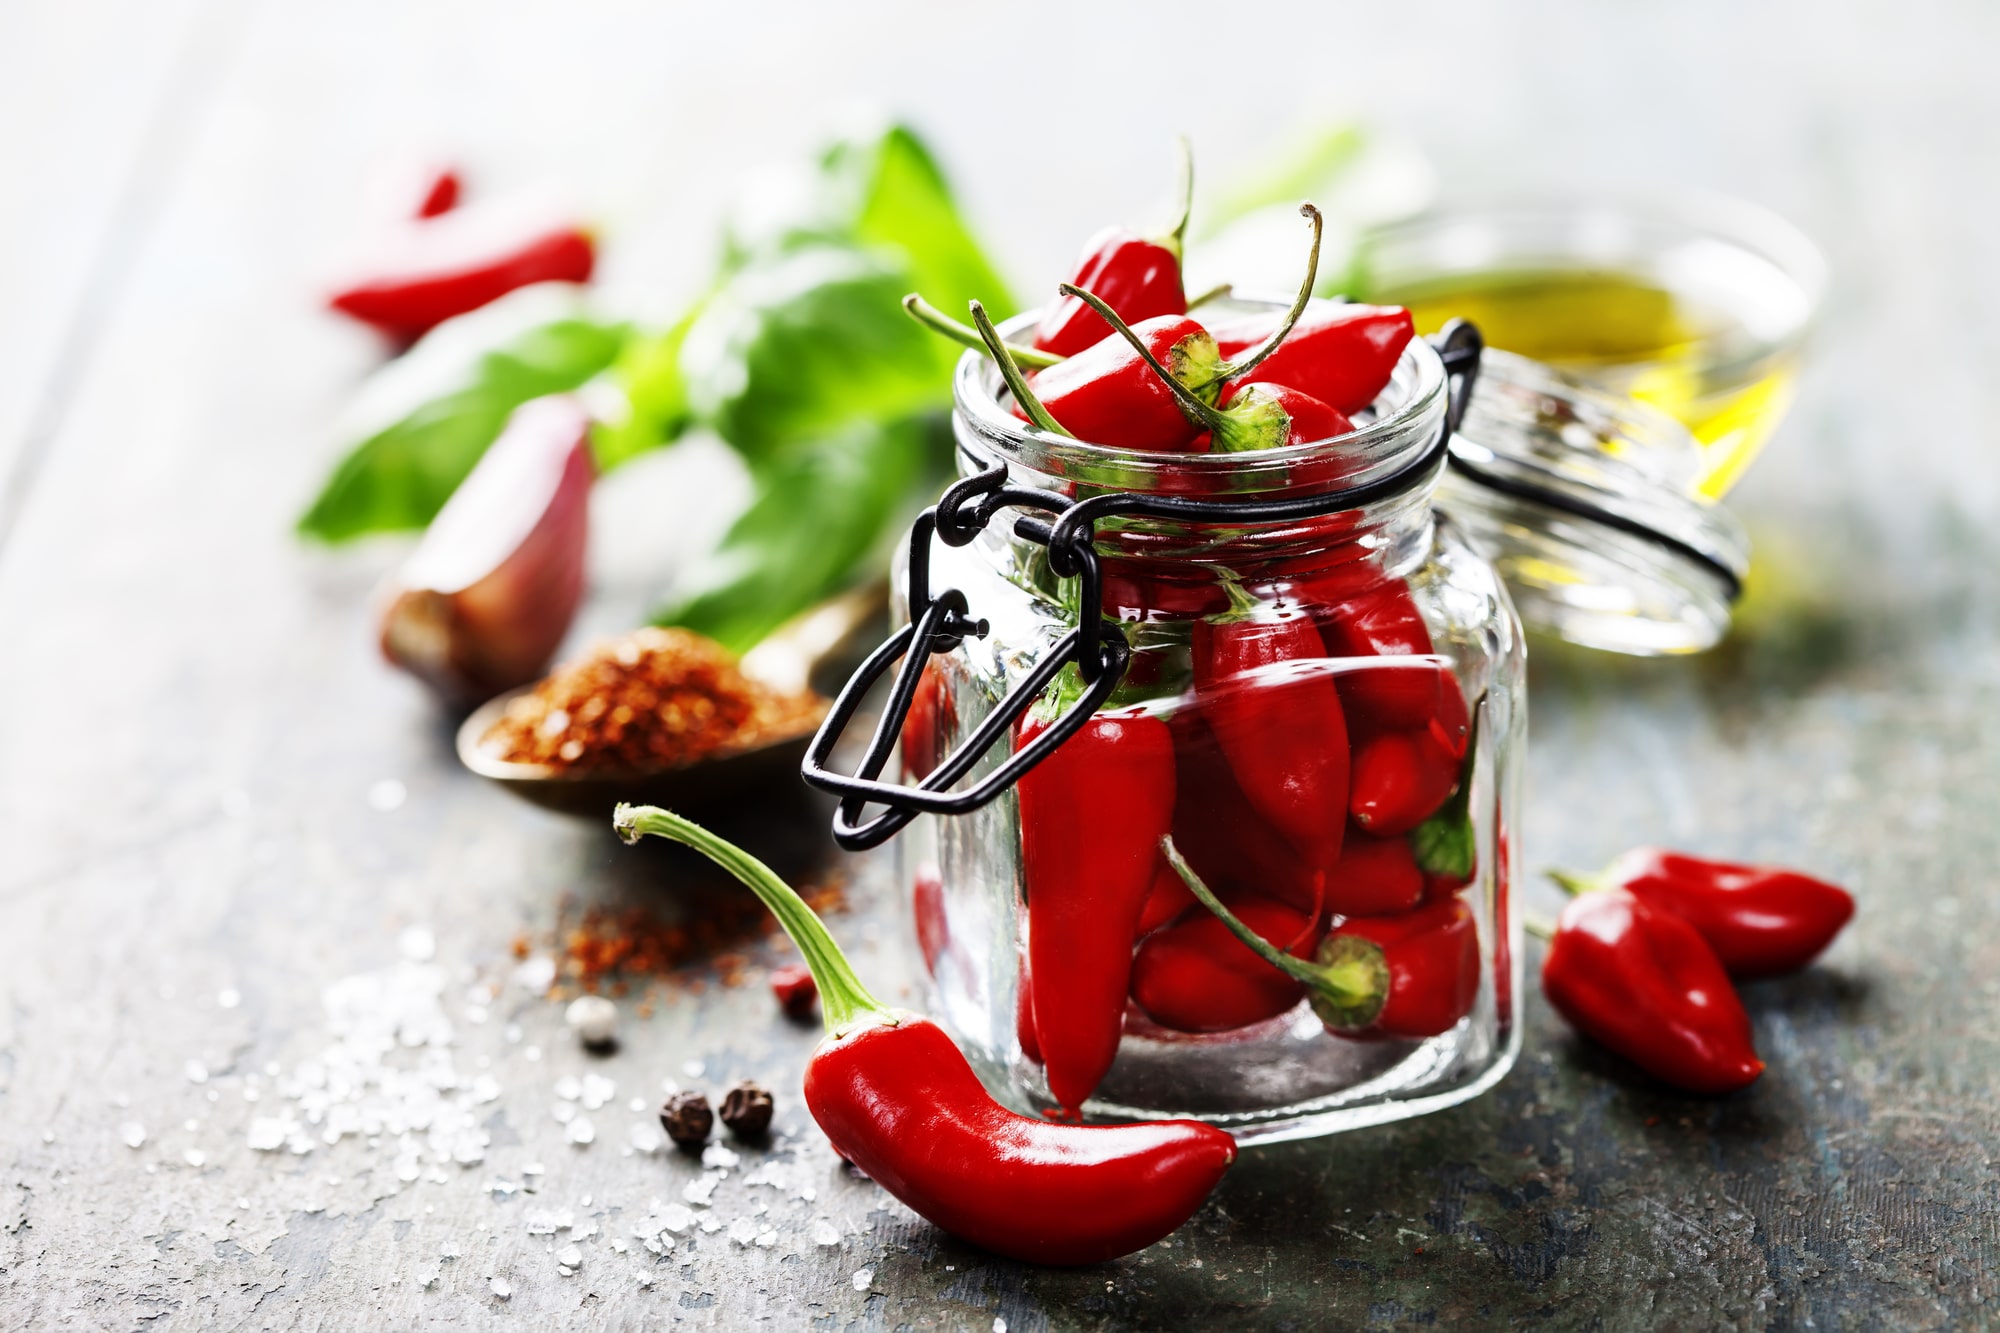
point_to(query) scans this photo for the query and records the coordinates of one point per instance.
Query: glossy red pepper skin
(1092, 816)
(1309, 420)
(1285, 738)
(1646, 985)
(1400, 779)
(1762, 921)
(902, 1104)
(1166, 900)
(1138, 278)
(1222, 834)
(1342, 355)
(1024, 1014)
(1383, 621)
(1432, 957)
(459, 262)
(1194, 976)
(1374, 877)
(1107, 394)
(795, 991)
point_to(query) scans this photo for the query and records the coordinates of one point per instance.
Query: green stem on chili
(1010, 371)
(842, 997)
(1215, 293)
(938, 322)
(1354, 981)
(1251, 361)
(1445, 843)
(1176, 240)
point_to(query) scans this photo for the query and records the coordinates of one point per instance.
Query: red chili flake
(796, 990)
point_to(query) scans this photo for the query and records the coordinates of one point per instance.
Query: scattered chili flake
(655, 698)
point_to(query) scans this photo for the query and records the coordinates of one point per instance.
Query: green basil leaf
(816, 525)
(423, 422)
(804, 345)
(648, 374)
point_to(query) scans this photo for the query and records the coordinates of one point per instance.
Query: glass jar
(1325, 713)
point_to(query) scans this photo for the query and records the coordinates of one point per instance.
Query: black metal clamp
(1098, 647)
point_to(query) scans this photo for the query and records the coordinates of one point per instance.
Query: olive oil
(1696, 360)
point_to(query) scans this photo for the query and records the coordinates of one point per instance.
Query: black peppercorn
(687, 1119)
(746, 1109)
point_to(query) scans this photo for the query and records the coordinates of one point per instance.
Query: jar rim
(989, 432)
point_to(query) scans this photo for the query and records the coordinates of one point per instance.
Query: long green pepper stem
(1347, 982)
(842, 997)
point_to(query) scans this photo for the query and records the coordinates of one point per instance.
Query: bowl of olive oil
(1697, 306)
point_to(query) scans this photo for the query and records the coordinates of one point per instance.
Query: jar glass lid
(1585, 503)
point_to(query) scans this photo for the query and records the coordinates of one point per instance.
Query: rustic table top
(241, 872)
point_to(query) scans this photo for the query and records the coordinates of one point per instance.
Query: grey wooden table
(236, 864)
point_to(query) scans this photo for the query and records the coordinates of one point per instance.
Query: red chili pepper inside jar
(1324, 713)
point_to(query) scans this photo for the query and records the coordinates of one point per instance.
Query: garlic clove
(484, 602)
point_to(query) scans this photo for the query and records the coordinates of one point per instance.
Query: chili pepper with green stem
(1282, 732)
(1223, 834)
(898, 1099)
(1761, 921)
(1409, 976)
(1138, 276)
(1645, 984)
(1092, 815)
(1192, 976)
(1108, 394)
(1341, 354)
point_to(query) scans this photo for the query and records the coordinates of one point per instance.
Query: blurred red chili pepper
(795, 991)
(1761, 921)
(1399, 780)
(1024, 1010)
(1284, 735)
(927, 910)
(1092, 816)
(1223, 835)
(1194, 976)
(1645, 984)
(1341, 354)
(930, 705)
(457, 262)
(1374, 877)
(1131, 587)
(898, 1099)
(1414, 975)
(439, 194)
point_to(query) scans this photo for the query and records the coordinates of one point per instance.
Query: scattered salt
(581, 1132)
(568, 1088)
(132, 1134)
(196, 1071)
(694, 1069)
(229, 997)
(825, 1233)
(501, 1289)
(597, 1091)
(646, 1138)
(718, 1155)
(536, 974)
(195, 1157)
(386, 795)
(862, 1277)
(417, 943)
(702, 1191)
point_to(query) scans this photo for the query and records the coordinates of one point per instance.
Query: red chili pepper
(927, 910)
(1108, 394)
(1130, 589)
(930, 704)
(1341, 354)
(1166, 900)
(458, 262)
(795, 990)
(1024, 1010)
(1092, 816)
(1374, 877)
(1139, 278)
(440, 193)
(1646, 984)
(1400, 779)
(1761, 921)
(1414, 975)
(1193, 976)
(898, 1100)
(1307, 419)
(1283, 734)
(1223, 835)
(1383, 621)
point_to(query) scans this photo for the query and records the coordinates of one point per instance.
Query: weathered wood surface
(193, 721)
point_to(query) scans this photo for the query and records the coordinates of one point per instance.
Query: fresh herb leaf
(806, 345)
(426, 419)
(816, 523)
(648, 374)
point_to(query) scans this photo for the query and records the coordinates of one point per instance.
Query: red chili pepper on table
(897, 1098)
(1284, 735)
(1194, 976)
(1341, 354)
(1645, 984)
(1092, 816)
(1410, 976)
(795, 990)
(458, 262)
(1761, 921)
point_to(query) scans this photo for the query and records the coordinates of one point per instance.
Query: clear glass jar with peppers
(1318, 731)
